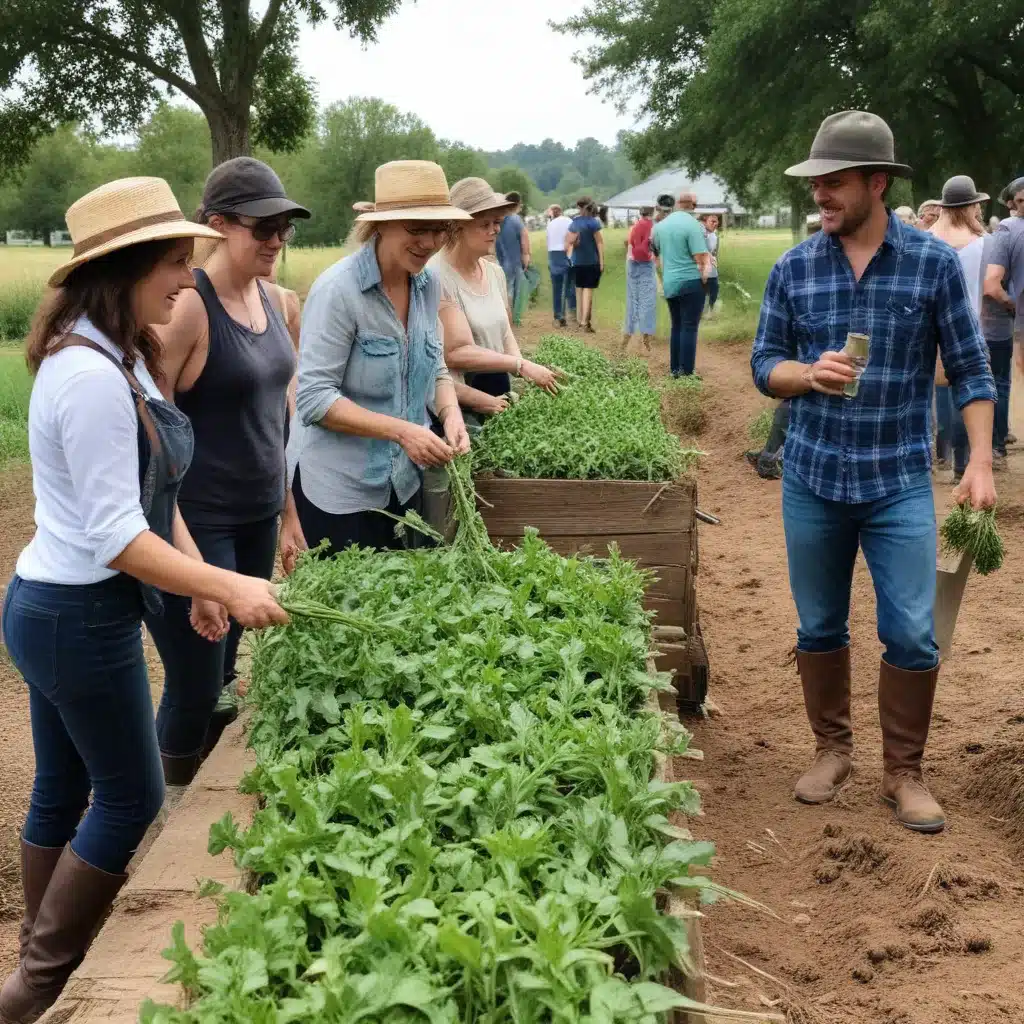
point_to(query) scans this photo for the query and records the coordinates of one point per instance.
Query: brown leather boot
(826, 682)
(37, 866)
(905, 710)
(69, 914)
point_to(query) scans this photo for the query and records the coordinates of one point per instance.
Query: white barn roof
(712, 195)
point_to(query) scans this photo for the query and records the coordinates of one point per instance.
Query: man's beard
(854, 217)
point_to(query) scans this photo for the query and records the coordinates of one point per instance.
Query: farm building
(712, 194)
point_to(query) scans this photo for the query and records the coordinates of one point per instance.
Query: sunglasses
(264, 230)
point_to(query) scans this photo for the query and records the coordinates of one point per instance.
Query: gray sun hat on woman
(849, 139)
(960, 191)
(475, 196)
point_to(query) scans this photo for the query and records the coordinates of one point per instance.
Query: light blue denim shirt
(354, 346)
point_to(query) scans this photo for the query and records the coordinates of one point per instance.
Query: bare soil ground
(875, 925)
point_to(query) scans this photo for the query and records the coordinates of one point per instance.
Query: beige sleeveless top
(486, 311)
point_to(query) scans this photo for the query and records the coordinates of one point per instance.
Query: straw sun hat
(474, 196)
(411, 190)
(123, 213)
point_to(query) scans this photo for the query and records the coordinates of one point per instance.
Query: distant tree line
(331, 169)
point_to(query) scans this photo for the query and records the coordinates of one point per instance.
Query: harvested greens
(605, 424)
(974, 532)
(459, 821)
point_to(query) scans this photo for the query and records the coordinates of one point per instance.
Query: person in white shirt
(108, 455)
(563, 287)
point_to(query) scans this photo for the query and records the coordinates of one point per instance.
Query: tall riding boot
(37, 867)
(826, 681)
(905, 710)
(69, 914)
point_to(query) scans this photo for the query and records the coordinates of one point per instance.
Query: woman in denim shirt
(370, 365)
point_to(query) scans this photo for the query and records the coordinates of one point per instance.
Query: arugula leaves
(458, 818)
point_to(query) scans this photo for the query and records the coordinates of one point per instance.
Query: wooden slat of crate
(597, 507)
(646, 549)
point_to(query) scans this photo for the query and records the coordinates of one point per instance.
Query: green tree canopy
(107, 62)
(513, 179)
(738, 87)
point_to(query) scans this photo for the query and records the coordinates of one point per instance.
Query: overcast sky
(477, 71)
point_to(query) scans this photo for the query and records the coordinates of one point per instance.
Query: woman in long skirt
(641, 282)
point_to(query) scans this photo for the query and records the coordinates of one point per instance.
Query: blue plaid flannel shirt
(911, 300)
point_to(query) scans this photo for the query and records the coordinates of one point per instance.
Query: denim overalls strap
(165, 451)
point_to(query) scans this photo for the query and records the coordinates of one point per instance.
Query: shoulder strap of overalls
(145, 416)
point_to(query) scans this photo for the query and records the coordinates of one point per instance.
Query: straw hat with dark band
(412, 190)
(124, 213)
(474, 196)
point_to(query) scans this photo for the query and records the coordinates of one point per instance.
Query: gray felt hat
(960, 191)
(851, 138)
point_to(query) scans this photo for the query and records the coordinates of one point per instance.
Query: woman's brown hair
(968, 217)
(102, 291)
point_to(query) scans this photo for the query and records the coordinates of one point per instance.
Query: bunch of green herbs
(604, 424)
(459, 818)
(974, 532)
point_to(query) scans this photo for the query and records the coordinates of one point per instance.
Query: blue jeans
(712, 291)
(685, 308)
(897, 536)
(563, 285)
(196, 670)
(514, 281)
(79, 649)
(1001, 356)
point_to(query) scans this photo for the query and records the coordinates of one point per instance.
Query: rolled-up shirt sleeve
(99, 431)
(963, 349)
(328, 331)
(774, 341)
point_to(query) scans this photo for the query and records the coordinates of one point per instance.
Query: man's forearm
(789, 379)
(978, 421)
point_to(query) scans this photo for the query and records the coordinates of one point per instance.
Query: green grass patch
(18, 302)
(15, 388)
(761, 427)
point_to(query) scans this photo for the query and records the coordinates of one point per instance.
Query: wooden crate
(653, 524)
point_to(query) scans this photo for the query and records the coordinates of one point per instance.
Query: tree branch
(267, 25)
(111, 44)
(1015, 83)
(189, 19)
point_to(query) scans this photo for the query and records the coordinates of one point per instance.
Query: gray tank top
(238, 409)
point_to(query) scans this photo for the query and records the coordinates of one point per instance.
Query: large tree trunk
(229, 133)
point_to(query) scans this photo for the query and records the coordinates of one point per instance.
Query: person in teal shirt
(684, 262)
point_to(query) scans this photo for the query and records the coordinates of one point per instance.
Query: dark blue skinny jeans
(563, 285)
(79, 649)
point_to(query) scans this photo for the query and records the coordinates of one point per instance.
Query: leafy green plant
(974, 532)
(458, 820)
(604, 424)
(760, 427)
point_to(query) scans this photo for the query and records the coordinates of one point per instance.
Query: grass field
(745, 259)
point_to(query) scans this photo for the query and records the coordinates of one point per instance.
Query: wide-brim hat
(122, 213)
(412, 190)
(1015, 186)
(475, 196)
(960, 191)
(849, 139)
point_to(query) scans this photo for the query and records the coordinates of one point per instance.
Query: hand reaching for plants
(455, 431)
(424, 447)
(490, 405)
(209, 619)
(292, 542)
(544, 378)
(253, 603)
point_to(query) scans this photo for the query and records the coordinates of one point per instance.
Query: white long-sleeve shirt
(83, 440)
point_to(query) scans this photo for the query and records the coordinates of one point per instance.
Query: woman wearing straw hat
(228, 359)
(959, 225)
(370, 365)
(478, 341)
(108, 455)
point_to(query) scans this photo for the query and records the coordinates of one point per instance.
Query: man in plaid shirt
(857, 469)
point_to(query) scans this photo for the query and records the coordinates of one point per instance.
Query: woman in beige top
(479, 347)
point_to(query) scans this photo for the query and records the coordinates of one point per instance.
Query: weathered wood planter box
(653, 524)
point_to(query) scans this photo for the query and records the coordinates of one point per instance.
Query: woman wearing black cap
(228, 360)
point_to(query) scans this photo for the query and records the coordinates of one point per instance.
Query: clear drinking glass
(857, 349)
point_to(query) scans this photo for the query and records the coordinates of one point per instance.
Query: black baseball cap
(248, 187)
